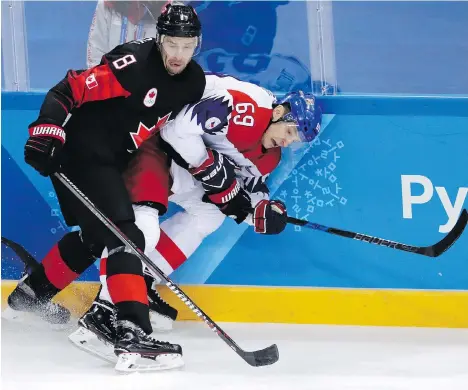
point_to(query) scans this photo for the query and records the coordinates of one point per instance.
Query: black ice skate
(96, 331)
(23, 302)
(162, 315)
(137, 351)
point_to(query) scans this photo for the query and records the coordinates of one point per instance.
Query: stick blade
(29, 261)
(263, 357)
(444, 244)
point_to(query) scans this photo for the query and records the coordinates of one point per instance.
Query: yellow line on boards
(426, 308)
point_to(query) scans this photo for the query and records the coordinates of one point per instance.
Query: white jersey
(231, 118)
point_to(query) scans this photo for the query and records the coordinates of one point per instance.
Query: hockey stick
(258, 358)
(29, 261)
(431, 251)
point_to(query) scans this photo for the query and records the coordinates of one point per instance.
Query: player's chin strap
(431, 251)
(258, 358)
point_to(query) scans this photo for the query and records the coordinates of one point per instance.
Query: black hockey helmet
(179, 20)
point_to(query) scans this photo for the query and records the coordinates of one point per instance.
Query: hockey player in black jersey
(89, 126)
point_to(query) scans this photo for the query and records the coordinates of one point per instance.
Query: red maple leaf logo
(162, 121)
(143, 132)
(152, 95)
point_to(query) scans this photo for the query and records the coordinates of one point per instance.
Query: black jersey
(109, 110)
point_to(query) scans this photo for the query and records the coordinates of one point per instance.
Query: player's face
(280, 134)
(177, 52)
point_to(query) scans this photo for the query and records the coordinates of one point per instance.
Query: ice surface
(311, 357)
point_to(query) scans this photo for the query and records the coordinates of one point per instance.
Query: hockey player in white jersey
(224, 148)
(221, 151)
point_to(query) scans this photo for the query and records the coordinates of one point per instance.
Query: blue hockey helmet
(304, 113)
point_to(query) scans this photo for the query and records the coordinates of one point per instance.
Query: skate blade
(134, 362)
(160, 323)
(30, 319)
(87, 341)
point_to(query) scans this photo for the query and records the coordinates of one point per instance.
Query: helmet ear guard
(304, 113)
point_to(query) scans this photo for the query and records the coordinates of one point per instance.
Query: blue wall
(350, 178)
(377, 151)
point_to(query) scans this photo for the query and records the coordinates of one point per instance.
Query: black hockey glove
(218, 177)
(43, 147)
(234, 202)
(270, 217)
